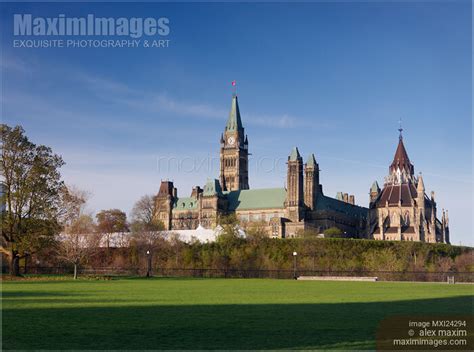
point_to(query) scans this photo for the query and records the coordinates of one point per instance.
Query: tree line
(39, 212)
(43, 218)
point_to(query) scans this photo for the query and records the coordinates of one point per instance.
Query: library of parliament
(401, 210)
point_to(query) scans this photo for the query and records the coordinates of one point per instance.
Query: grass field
(213, 313)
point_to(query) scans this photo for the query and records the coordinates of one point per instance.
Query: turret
(164, 203)
(234, 152)
(311, 186)
(211, 201)
(374, 192)
(420, 190)
(295, 196)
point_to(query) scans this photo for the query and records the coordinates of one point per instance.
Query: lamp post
(294, 264)
(148, 269)
(26, 262)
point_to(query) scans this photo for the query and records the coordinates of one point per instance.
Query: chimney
(196, 192)
(346, 198)
(352, 199)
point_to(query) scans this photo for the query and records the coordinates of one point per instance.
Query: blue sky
(331, 78)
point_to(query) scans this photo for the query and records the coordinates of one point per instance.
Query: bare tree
(143, 215)
(79, 242)
(73, 202)
(78, 239)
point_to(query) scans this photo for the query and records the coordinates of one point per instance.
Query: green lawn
(213, 313)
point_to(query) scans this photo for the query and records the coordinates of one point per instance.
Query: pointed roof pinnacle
(295, 154)
(311, 160)
(375, 187)
(401, 160)
(421, 185)
(234, 122)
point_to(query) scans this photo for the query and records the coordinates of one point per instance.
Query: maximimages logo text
(90, 32)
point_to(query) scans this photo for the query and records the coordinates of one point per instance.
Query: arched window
(394, 219)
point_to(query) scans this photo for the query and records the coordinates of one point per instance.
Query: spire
(295, 154)
(421, 185)
(212, 187)
(401, 160)
(375, 187)
(234, 123)
(311, 161)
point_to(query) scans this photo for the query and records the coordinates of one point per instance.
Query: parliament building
(302, 204)
(402, 211)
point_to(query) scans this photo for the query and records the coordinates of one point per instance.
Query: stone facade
(284, 212)
(234, 156)
(402, 211)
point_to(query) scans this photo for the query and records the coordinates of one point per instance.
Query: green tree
(333, 232)
(256, 231)
(110, 221)
(230, 229)
(31, 199)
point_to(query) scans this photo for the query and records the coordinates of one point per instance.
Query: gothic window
(407, 218)
(394, 219)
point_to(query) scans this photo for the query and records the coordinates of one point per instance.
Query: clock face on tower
(231, 140)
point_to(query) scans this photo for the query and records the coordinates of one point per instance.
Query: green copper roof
(187, 203)
(375, 187)
(234, 123)
(311, 160)
(212, 188)
(267, 198)
(295, 154)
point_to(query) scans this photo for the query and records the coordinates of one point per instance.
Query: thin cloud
(163, 102)
(15, 64)
(103, 86)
